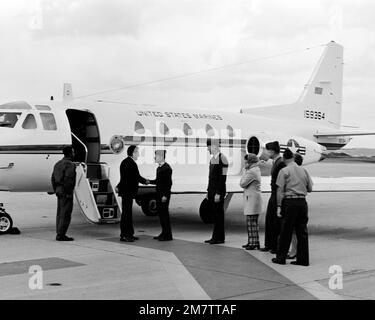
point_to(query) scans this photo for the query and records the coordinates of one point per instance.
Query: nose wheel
(6, 222)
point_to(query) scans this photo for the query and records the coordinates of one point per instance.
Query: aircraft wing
(344, 134)
(321, 184)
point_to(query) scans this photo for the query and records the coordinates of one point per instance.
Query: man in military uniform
(216, 190)
(63, 182)
(294, 183)
(272, 221)
(163, 184)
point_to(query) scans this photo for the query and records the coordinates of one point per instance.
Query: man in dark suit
(216, 190)
(163, 183)
(128, 189)
(272, 221)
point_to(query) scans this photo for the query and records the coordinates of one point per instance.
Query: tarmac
(98, 266)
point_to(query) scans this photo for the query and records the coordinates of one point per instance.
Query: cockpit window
(48, 121)
(42, 107)
(8, 119)
(29, 122)
(16, 105)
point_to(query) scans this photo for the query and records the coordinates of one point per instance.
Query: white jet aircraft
(33, 134)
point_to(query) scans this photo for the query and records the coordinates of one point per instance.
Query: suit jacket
(277, 166)
(163, 181)
(129, 178)
(217, 176)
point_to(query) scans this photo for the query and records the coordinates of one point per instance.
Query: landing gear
(6, 222)
(205, 212)
(148, 205)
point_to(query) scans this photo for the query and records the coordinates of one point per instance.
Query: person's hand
(116, 190)
(217, 197)
(147, 182)
(278, 212)
(164, 199)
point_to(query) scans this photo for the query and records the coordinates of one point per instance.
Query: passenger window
(48, 121)
(188, 131)
(230, 131)
(8, 119)
(139, 128)
(163, 128)
(29, 122)
(209, 130)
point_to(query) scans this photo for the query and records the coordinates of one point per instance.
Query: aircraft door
(85, 136)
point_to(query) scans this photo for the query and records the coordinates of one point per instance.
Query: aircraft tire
(205, 213)
(148, 205)
(6, 222)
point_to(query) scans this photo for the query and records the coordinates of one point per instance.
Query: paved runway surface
(98, 266)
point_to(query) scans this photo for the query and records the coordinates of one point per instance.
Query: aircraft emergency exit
(33, 134)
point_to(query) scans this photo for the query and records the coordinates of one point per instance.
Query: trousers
(272, 224)
(163, 212)
(64, 213)
(217, 212)
(295, 217)
(126, 223)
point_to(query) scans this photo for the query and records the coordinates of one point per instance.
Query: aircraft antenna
(191, 74)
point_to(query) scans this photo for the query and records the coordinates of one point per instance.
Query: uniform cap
(273, 146)
(288, 154)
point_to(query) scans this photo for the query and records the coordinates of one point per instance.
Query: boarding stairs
(95, 194)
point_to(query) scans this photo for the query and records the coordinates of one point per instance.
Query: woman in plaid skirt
(252, 199)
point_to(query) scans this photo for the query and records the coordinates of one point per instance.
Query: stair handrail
(84, 146)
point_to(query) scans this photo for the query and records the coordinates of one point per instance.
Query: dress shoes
(135, 238)
(165, 238)
(208, 241)
(296, 263)
(157, 237)
(216, 241)
(252, 247)
(64, 238)
(126, 239)
(278, 261)
(265, 249)
(245, 245)
(273, 251)
(289, 257)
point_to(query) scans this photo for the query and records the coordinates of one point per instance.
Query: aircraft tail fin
(321, 98)
(323, 93)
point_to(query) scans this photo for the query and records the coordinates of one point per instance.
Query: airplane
(33, 134)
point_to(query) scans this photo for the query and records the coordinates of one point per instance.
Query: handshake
(147, 182)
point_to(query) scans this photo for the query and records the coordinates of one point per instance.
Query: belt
(295, 197)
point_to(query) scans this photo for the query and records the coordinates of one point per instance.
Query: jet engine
(309, 150)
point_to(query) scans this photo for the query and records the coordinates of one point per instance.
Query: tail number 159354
(317, 115)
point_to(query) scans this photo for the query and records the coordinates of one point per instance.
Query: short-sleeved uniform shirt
(294, 180)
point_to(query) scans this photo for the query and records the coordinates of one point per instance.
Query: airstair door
(95, 195)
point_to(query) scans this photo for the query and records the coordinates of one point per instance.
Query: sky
(104, 44)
